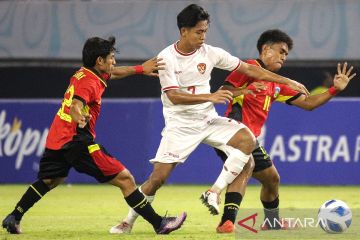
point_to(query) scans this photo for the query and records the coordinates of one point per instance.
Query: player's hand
(259, 86)
(221, 96)
(152, 65)
(343, 76)
(298, 87)
(252, 89)
(83, 120)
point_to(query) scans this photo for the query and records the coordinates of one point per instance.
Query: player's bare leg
(138, 202)
(242, 143)
(233, 197)
(125, 181)
(270, 180)
(269, 196)
(157, 178)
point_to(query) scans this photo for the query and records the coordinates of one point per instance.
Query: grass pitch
(88, 211)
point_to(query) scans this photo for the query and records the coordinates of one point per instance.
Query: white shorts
(178, 143)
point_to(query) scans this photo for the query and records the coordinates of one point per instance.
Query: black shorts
(89, 158)
(261, 157)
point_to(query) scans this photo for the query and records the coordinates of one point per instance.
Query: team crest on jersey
(277, 91)
(201, 68)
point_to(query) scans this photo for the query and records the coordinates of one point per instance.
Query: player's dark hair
(191, 15)
(274, 36)
(96, 47)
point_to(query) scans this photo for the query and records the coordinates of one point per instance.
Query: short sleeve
(167, 76)
(86, 90)
(237, 79)
(223, 59)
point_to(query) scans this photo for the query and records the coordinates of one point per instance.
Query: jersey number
(66, 103)
(267, 103)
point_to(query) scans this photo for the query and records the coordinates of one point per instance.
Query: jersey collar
(96, 74)
(182, 53)
(260, 63)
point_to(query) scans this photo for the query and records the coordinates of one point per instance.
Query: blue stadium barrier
(322, 29)
(318, 147)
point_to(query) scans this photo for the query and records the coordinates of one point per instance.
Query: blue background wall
(319, 147)
(322, 29)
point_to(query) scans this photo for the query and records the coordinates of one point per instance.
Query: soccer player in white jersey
(188, 108)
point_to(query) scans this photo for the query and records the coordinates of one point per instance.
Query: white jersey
(191, 73)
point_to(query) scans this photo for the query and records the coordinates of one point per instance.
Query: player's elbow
(311, 108)
(308, 107)
(173, 97)
(175, 101)
(74, 112)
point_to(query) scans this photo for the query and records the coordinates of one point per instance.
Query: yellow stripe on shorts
(93, 148)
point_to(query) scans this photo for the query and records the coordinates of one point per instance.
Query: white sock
(233, 166)
(132, 215)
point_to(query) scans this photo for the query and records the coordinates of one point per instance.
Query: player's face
(107, 64)
(196, 36)
(274, 55)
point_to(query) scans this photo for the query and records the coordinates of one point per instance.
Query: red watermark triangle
(242, 221)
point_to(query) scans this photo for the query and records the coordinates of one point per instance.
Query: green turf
(88, 211)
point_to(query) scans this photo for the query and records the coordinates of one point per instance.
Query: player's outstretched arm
(263, 74)
(220, 96)
(341, 80)
(246, 90)
(148, 68)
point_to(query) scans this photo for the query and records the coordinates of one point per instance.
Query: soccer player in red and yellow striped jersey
(71, 139)
(251, 104)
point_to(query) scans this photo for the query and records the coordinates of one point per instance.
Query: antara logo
(251, 217)
(201, 68)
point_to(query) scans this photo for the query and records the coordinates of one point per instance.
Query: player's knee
(124, 180)
(128, 177)
(272, 180)
(275, 179)
(244, 140)
(249, 167)
(249, 142)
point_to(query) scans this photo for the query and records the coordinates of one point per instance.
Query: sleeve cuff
(169, 88)
(80, 99)
(293, 98)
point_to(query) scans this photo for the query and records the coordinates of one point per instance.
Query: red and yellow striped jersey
(253, 110)
(87, 86)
